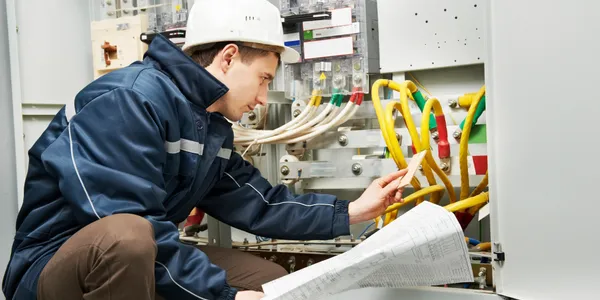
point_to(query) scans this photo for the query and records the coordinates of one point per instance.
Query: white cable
(248, 148)
(330, 121)
(350, 115)
(249, 134)
(332, 115)
(243, 135)
(326, 122)
(315, 131)
(295, 131)
(302, 128)
(306, 126)
(304, 115)
(350, 107)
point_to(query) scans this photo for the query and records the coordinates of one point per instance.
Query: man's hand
(382, 193)
(249, 295)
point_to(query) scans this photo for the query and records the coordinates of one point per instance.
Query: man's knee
(134, 237)
(122, 244)
(277, 271)
(272, 271)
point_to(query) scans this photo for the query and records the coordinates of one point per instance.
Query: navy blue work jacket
(139, 140)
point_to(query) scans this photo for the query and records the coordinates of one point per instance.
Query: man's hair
(205, 54)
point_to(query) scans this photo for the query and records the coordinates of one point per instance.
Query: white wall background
(8, 182)
(51, 52)
(54, 49)
(55, 62)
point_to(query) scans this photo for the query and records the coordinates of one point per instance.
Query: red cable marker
(443, 145)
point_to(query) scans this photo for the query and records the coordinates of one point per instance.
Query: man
(118, 169)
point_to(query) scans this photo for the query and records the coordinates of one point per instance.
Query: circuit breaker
(117, 28)
(116, 43)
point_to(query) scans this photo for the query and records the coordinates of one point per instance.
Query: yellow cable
(388, 132)
(412, 197)
(412, 88)
(487, 246)
(376, 220)
(437, 108)
(389, 128)
(464, 146)
(389, 112)
(386, 123)
(465, 100)
(316, 94)
(468, 202)
(428, 93)
(418, 83)
(453, 207)
(406, 90)
(399, 160)
(318, 100)
(387, 219)
(482, 185)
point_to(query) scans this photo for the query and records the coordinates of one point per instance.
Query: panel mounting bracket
(500, 255)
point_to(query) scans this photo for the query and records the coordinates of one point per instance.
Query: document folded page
(424, 246)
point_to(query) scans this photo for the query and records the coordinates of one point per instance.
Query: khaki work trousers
(113, 258)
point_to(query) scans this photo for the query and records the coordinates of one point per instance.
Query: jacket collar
(196, 84)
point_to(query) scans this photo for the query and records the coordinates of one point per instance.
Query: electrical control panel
(338, 43)
(355, 117)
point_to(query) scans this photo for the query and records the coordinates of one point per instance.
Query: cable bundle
(465, 207)
(308, 125)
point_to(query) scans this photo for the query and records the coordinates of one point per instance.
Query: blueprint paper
(425, 246)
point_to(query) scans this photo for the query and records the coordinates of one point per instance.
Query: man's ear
(227, 56)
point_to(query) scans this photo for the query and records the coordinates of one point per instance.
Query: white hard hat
(252, 21)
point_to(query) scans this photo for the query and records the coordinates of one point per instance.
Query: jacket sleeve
(244, 199)
(109, 160)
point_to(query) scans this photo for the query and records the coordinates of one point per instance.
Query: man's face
(247, 82)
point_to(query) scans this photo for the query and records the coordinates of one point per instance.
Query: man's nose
(261, 98)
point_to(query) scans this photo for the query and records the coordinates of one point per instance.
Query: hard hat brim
(289, 55)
